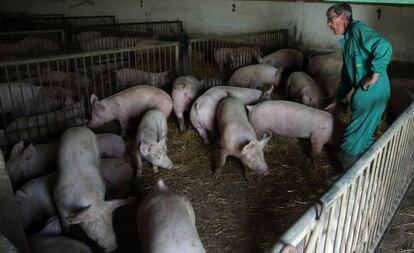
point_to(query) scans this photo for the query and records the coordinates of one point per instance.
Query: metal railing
(203, 58)
(41, 97)
(353, 215)
(25, 44)
(56, 22)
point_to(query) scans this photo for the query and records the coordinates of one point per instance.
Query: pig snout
(92, 123)
(264, 171)
(166, 163)
(170, 166)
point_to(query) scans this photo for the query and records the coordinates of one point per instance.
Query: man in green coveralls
(366, 55)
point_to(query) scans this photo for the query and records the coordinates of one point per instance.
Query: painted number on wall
(141, 3)
(234, 7)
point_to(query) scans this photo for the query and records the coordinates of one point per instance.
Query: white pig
(328, 82)
(166, 223)
(327, 63)
(238, 138)
(80, 191)
(110, 145)
(128, 103)
(185, 90)
(151, 141)
(301, 88)
(128, 77)
(203, 110)
(117, 176)
(255, 76)
(32, 161)
(54, 244)
(290, 119)
(35, 203)
(288, 59)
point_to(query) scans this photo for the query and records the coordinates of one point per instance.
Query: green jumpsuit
(364, 51)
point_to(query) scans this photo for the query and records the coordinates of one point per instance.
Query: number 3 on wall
(141, 3)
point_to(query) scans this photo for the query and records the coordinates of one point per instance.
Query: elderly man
(366, 55)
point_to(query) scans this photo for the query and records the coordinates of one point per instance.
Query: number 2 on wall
(141, 3)
(234, 7)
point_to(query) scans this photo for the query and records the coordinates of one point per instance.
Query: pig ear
(94, 99)
(289, 249)
(17, 149)
(266, 138)
(52, 227)
(163, 141)
(306, 99)
(114, 204)
(29, 152)
(249, 108)
(279, 71)
(83, 215)
(144, 148)
(249, 147)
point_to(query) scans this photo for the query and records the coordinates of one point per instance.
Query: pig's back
(155, 123)
(247, 95)
(167, 222)
(232, 120)
(138, 99)
(288, 119)
(35, 200)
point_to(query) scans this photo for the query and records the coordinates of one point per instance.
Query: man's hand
(369, 80)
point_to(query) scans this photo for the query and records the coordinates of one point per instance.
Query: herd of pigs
(92, 179)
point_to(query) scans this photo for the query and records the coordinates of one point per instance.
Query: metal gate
(353, 215)
(42, 97)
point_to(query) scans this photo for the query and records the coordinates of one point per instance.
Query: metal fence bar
(54, 22)
(367, 195)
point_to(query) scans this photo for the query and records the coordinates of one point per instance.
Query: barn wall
(305, 21)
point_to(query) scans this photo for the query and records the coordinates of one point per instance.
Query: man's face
(337, 23)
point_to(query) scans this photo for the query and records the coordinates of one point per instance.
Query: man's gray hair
(341, 8)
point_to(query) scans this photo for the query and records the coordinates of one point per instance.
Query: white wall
(305, 21)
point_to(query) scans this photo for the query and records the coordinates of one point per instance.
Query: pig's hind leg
(220, 163)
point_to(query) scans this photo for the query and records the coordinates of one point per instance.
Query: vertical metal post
(183, 63)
